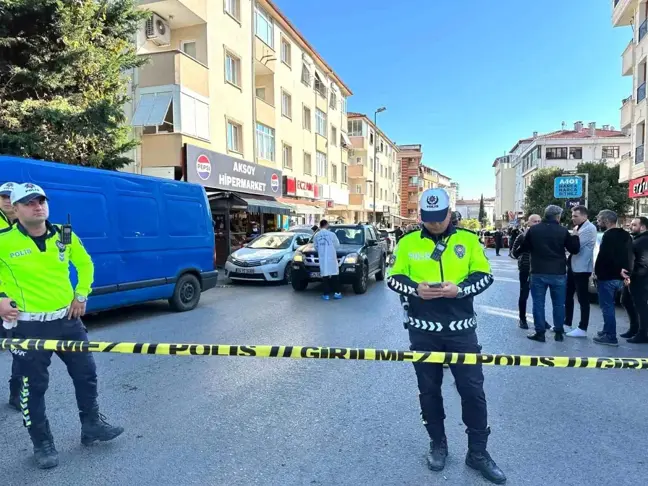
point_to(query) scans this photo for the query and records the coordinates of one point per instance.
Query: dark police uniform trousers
(469, 380)
(34, 368)
(15, 380)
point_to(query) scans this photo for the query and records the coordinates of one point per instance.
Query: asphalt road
(248, 421)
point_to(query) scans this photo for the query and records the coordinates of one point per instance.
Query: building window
(261, 93)
(189, 48)
(286, 54)
(308, 169)
(320, 122)
(413, 181)
(232, 69)
(356, 128)
(265, 142)
(305, 77)
(194, 115)
(371, 164)
(287, 156)
(575, 152)
(154, 113)
(344, 104)
(333, 173)
(320, 87)
(333, 136)
(345, 174)
(234, 131)
(263, 27)
(611, 152)
(371, 138)
(358, 189)
(556, 153)
(233, 8)
(333, 103)
(322, 166)
(370, 189)
(306, 119)
(286, 105)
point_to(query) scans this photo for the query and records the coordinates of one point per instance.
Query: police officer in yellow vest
(440, 269)
(7, 219)
(36, 296)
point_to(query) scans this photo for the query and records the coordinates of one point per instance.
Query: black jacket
(615, 254)
(640, 250)
(547, 243)
(523, 258)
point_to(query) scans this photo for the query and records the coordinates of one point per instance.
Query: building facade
(504, 189)
(373, 173)
(633, 167)
(469, 209)
(237, 81)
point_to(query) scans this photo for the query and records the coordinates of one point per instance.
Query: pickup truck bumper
(349, 273)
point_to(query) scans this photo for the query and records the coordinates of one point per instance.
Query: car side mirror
(372, 243)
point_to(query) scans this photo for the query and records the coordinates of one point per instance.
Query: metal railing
(641, 92)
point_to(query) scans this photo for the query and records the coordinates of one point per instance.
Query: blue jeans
(557, 285)
(607, 290)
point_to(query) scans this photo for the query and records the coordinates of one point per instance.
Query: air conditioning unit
(158, 30)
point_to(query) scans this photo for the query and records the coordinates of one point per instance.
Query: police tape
(319, 352)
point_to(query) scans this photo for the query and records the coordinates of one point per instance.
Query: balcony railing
(639, 154)
(641, 92)
(643, 29)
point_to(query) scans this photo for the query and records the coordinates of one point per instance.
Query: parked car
(390, 239)
(149, 238)
(266, 258)
(302, 229)
(361, 255)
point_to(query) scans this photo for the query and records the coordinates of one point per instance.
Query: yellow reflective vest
(37, 277)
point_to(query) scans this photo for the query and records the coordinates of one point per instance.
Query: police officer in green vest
(37, 297)
(440, 269)
(7, 219)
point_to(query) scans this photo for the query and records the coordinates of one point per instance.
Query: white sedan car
(266, 258)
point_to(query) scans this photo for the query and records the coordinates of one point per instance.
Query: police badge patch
(460, 251)
(61, 249)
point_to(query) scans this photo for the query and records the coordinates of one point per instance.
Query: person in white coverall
(326, 244)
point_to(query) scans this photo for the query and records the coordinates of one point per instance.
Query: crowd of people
(620, 269)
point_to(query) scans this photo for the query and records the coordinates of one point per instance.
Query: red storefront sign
(330, 204)
(295, 187)
(638, 187)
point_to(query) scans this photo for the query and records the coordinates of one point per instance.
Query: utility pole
(375, 144)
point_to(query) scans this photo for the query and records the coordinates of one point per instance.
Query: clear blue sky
(468, 79)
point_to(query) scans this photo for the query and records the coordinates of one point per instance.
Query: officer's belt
(43, 316)
(460, 325)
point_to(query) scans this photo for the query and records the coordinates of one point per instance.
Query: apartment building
(633, 167)
(373, 173)
(469, 209)
(504, 189)
(236, 99)
(565, 149)
(515, 160)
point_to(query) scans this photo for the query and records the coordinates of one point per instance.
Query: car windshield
(350, 236)
(271, 242)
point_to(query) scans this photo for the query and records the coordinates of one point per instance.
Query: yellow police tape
(310, 352)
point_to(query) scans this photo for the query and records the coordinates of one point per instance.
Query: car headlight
(230, 259)
(271, 261)
(298, 257)
(351, 258)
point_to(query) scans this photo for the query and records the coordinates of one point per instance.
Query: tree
(63, 79)
(471, 224)
(605, 192)
(483, 219)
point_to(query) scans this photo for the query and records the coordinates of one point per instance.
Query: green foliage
(64, 69)
(605, 192)
(471, 224)
(483, 219)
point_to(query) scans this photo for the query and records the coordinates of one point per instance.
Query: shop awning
(265, 205)
(303, 209)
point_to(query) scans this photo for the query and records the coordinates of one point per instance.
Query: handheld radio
(66, 232)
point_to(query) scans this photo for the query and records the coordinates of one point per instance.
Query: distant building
(469, 208)
(504, 188)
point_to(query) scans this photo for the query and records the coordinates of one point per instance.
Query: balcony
(627, 112)
(357, 171)
(622, 13)
(175, 67)
(627, 65)
(356, 199)
(626, 166)
(179, 13)
(641, 92)
(358, 143)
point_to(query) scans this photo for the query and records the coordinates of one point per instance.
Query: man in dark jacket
(635, 295)
(547, 242)
(524, 266)
(614, 256)
(498, 237)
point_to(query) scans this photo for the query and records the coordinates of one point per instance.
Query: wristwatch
(81, 298)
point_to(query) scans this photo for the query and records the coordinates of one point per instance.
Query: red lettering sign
(638, 187)
(290, 186)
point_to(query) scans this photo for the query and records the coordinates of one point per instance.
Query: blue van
(149, 238)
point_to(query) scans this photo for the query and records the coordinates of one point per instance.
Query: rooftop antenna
(563, 126)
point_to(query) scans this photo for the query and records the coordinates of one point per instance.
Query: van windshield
(271, 242)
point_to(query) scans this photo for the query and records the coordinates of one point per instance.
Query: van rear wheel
(186, 294)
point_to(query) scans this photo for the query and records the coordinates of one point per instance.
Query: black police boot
(479, 459)
(14, 393)
(95, 428)
(437, 454)
(537, 336)
(44, 450)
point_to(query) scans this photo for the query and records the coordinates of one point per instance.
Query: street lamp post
(375, 176)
